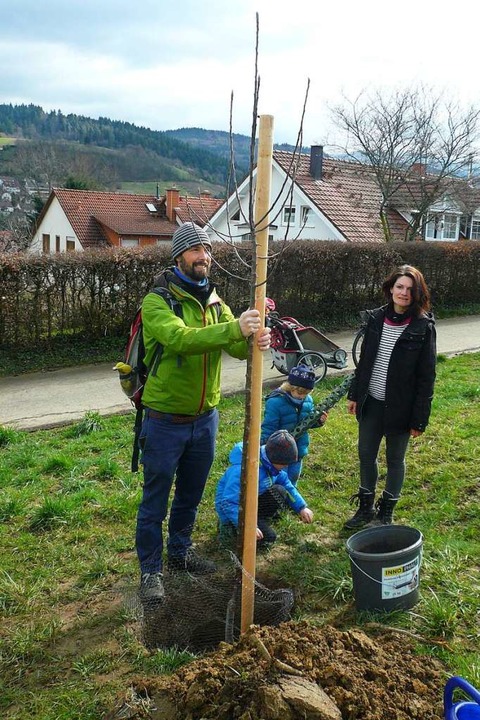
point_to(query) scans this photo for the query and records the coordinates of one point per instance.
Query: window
(46, 243)
(70, 245)
(432, 229)
(57, 243)
(306, 216)
(236, 216)
(289, 215)
(450, 227)
(442, 226)
(475, 233)
(129, 242)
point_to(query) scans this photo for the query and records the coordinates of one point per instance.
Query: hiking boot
(384, 509)
(151, 587)
(365, 513)
(191, 563)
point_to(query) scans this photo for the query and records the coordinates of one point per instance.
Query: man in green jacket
(182, 391)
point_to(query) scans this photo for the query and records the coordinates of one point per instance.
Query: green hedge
(328, 283)
(94, 294)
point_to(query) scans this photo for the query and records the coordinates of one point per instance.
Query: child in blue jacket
(275, 491)
(286, 406)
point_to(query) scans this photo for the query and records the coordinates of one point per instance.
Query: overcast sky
(166, 65)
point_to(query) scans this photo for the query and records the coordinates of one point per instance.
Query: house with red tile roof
(74, 220)
(320, 198)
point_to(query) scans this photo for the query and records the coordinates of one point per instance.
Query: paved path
(42, 400)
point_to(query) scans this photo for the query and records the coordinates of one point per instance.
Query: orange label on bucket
(400, 580)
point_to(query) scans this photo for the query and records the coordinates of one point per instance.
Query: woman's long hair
(420, 292)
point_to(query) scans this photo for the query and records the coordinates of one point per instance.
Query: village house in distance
(320, 198)
(74, 220)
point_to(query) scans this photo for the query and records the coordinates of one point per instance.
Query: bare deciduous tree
(20, 227)
(416, 144)
(40, 161)
(51, 163)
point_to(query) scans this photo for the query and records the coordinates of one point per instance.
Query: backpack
(133, 372)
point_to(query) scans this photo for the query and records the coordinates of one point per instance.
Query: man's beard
(195, 271)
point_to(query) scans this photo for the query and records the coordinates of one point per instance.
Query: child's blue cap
(302, 376)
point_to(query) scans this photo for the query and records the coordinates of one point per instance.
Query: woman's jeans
(370, 434)
(181, 452)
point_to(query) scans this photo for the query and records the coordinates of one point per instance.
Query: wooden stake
(262, 205)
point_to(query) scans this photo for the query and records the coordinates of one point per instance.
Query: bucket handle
(452, 684)
(379, 582)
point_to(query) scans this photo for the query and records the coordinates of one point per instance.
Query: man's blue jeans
(180, 452)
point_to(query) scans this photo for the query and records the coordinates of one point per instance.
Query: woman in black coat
(391, 393)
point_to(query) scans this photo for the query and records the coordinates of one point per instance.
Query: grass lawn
(68, 504)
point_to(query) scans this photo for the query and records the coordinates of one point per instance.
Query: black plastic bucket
(385, 562)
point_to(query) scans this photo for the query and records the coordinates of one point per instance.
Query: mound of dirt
(298, 672)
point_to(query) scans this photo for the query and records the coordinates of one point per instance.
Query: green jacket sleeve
(196, 333)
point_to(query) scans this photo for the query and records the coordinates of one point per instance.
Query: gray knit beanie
(188, 235)
(281, 448)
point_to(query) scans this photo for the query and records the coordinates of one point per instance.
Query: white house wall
(318, 227)
(55, 224)
(447, 205)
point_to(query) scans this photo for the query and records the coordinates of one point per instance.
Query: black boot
(269, 534)
(364, 499)
(384, 509)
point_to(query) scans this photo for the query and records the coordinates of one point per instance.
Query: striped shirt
(390, 334)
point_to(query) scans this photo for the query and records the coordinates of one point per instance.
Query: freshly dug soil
(299, 672)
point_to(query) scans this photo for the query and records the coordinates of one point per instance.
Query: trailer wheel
(316, 362)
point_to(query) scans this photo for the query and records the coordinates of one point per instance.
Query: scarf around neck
(398, 318)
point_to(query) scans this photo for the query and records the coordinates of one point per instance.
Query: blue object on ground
(465, 709)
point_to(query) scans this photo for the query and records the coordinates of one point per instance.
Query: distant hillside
(132, 153)
(218, 142)
(31, 122)
(52, 162)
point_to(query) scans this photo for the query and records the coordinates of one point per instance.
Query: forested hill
(33, 123)
(206, 152)
(218, 142)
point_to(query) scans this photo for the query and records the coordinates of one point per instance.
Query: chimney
(316, 162)
(419, 169)
(172, 201)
